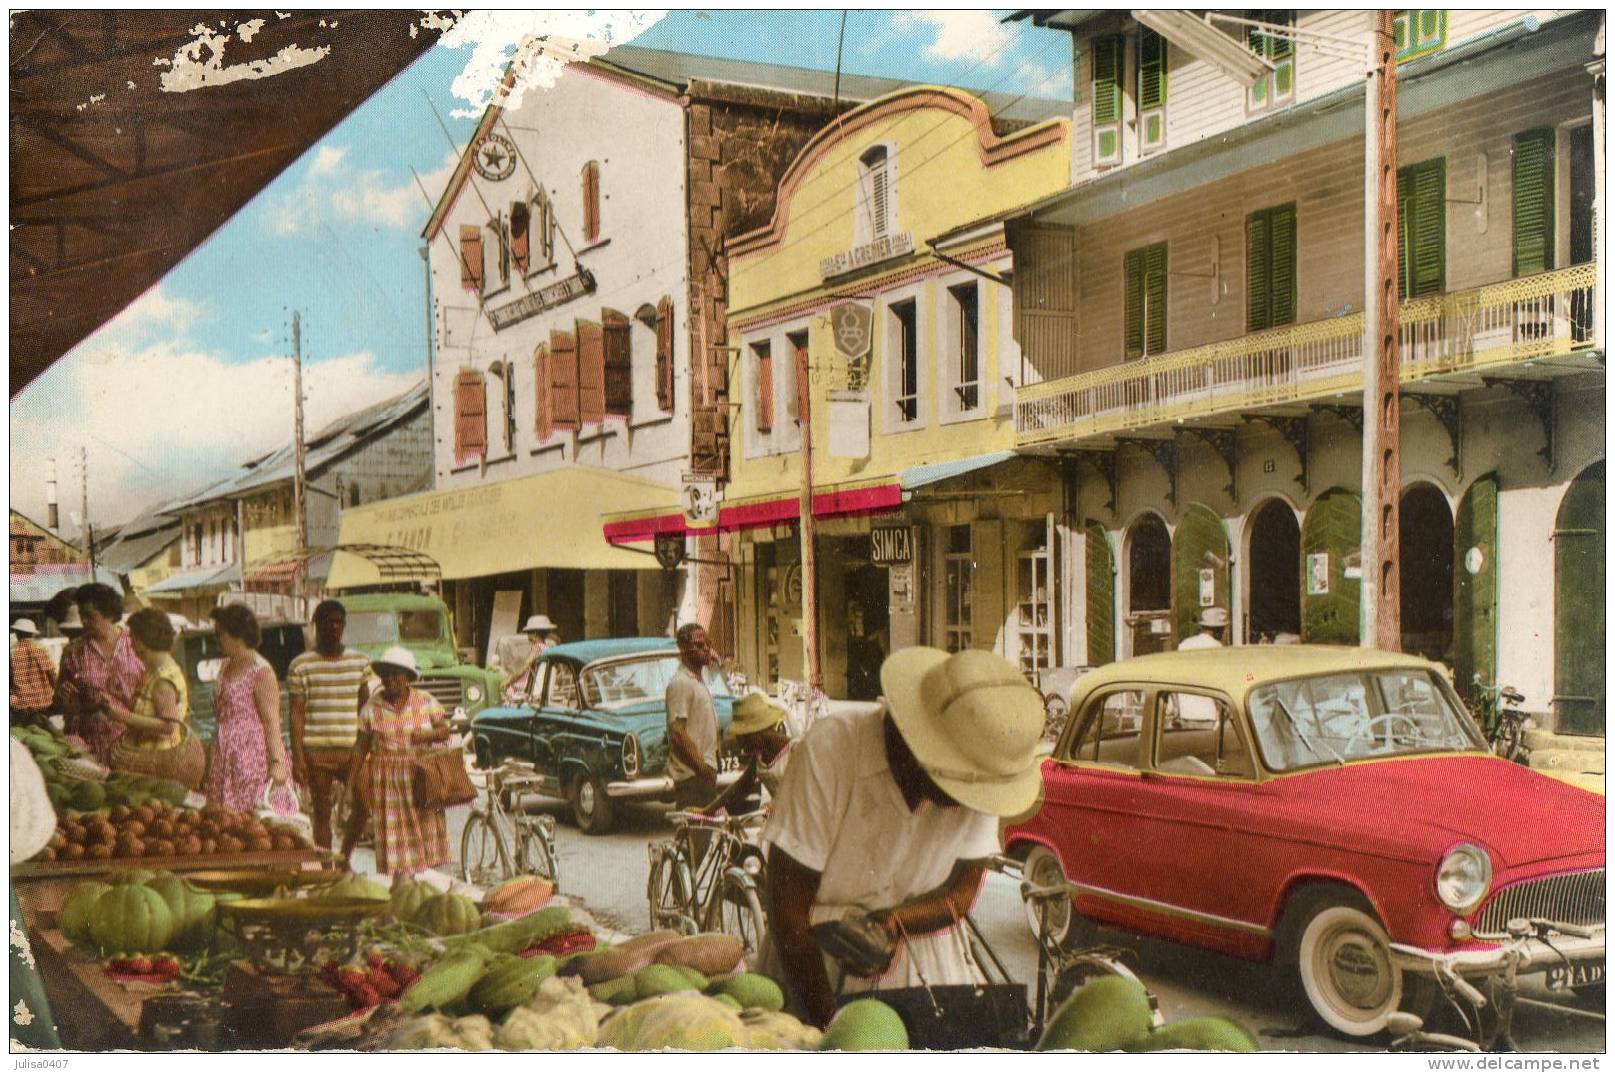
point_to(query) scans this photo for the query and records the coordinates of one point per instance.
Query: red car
(1332, 808)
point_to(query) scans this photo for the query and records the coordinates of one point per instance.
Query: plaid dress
(407, 838)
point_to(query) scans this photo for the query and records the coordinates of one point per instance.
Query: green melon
(352, 886)
(87, 796)
(448, 914)
(74, 917)
(1199, 1034)
(134, 876)
(192, 910)
(752, 990)
(865, 1024)
(409, 896)
(131, 919)
(1107, 1014)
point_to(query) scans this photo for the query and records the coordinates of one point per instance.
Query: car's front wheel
(1344, 965)
(591, 807)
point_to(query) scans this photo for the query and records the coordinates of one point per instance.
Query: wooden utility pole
(299, 492)
(810, 572)
(1382, 374)
(86, 534)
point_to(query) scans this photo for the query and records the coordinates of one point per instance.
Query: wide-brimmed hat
(400, 657)
(973, 723)
(25, 627)
(539, 624)
(755, 712)
(1214, 618)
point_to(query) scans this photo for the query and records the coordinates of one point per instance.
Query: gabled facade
(32, 545)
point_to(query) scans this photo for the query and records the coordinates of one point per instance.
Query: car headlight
(473, 693)
(1463, 877)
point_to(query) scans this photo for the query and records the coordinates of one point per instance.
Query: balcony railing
(1518, 320)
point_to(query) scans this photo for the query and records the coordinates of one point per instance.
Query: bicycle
(1504, 724)
(721, 892)
(501, 839)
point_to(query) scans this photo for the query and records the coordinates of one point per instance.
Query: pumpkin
(74, 917)
(409, 896)
(448, 914)
(131, 919)
(352, 886)
(192, 910)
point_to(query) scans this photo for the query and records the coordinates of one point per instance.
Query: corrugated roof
(133, 551)
(920, 476)
(206, 577)
(325, 446)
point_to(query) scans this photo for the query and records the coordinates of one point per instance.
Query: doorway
(1426, 554)
(1578, 607)
(1200, 569)
(868, 621)
(1149, 585)
(1275, 574)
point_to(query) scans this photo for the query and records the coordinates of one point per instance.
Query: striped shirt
(329, 687)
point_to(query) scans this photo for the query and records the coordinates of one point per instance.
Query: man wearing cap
(327, 687)
(517, 655)
(893, 813)
(757, 732)
(33, 679)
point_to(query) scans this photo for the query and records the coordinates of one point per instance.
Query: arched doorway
(1426, 558)
(1200, 568)
(1578, 606)
(1331, 594)
(1474, 620)
(1101, 595)
(1149, 585)
(1275, 573)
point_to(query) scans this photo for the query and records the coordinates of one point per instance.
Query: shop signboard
(852, 324)
(891, 544)
(1208, 586)
(530, 305)
(1318, 573)
(900, 588)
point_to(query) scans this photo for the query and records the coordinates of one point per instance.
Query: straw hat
(1214, 618)
(755, 712)
(397, 656)
(539, 624)
(973, 723)
(24, 627)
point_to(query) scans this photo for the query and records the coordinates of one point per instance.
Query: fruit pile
(166, 965)
(161, 830)
(380, 979)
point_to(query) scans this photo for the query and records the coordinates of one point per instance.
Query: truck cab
(379, 620)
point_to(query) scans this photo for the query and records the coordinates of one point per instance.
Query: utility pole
(85, 532)
(810, 573)
(299, 493)
(1382, 409)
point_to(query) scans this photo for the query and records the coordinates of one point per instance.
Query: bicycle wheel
(482, 857)
(535, 856)
(669, 892)
(741, 914)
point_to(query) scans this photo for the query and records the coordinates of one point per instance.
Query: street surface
(608, 873)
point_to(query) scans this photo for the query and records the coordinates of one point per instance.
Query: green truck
(379, 620)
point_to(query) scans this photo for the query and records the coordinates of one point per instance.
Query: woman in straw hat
(396, 724)
(894, 813)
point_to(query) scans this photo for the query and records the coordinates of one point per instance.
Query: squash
(192, 910)
(448, 914)
(352, 886)
(130, 919)
(408, 897)
(73, 919)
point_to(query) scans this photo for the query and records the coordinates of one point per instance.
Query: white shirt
(511, 653)
(841, 813)
(689, 701)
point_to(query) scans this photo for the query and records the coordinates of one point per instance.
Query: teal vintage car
(594, 724)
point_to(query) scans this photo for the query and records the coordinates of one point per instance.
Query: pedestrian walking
(538, 636)
(33, 678)
(692, 722)
(248, 753)
(157, 738)
(328, 686)
(397, 725)
(894, 813)
(97, 666)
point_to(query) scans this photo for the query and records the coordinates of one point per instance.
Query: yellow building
(929, 530)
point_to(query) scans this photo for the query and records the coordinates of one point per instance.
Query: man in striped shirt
(328, 686)
(33, 678)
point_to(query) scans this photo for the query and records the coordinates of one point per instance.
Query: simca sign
(891, 544)
(882, 249)
(558, 293)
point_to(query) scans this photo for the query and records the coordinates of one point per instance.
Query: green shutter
(1533, 201)
(1200, 543)
(1578, 610)
(1134, 304)
(1422, 204)
(1258, 271)
(1475, 594)
(1151, 70)
(1101, 597)
(1333, 527)
(1107, 79)
(1282, 285)
(1155, 299)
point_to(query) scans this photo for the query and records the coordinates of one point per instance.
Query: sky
(193, 379)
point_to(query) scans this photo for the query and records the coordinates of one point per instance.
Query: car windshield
(390, 627)
(1337, 718)
(635, 681)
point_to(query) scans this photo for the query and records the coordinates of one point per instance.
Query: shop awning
(547, 520)
(920, 476)
(838, 501)
(208, 577)
(285, 571)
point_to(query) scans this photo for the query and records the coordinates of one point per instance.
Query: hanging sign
(530, 305)
(496, 157)
(1208, 587)
(669, 550)
(891, 544)
(700, 498)
(852, 324)
(1318, 574)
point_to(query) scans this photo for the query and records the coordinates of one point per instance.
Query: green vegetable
(506, 985)
(1107, 1014)
(130, 919)
(75, 915)
(514, 936)
(448, 981)
(448, 914)
(865, 1024)
(1198, 1034)
(750, 989)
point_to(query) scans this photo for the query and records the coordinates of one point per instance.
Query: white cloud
(156, 310)
(973, 35)
(327, 159)
(333, 192)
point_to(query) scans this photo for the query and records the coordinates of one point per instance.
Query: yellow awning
(547, 520)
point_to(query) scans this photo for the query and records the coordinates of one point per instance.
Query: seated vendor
(894, 813)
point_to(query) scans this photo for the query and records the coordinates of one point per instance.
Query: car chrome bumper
(1536, 955)
(660, 786)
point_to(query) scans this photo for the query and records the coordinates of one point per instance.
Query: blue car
(594, 724)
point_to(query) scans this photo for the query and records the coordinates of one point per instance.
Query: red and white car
(1332, 808)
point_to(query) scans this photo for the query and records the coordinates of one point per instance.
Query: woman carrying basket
(397, 726)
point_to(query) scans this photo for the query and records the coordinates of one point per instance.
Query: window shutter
(1107, 99)
(619, 364)
(564, 381)
(470, 417)
(498, 228)
(591, 372)
(765, 387)
(1134, 305)
(799, 379)
(1422, 234)
(471, 257)
(1258, 272)
(520, 226)
(544, 398)
(591, 201)
(1152, 49)
(1284, 265)
(1155, 300)
(879, 199)
(664, 355)
(545, 227)
(1533, 201)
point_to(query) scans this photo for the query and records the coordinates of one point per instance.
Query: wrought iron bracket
(1297, 432)
(1446, 409)
(1165, 453)
(1543, 401)
(1105, 463)
(1225, 441)
(1352, 415)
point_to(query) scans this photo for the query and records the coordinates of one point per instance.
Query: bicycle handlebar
(700, 819)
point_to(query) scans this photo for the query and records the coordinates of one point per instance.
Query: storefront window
(958, 566)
